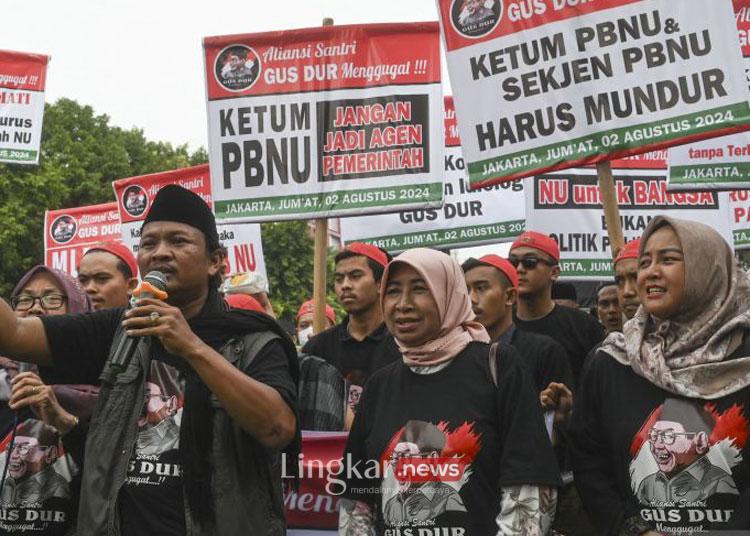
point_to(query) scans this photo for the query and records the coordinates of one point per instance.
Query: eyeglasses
(667, 436)
(24, 448)
(49, 302)
(528, 262)
(163, 398)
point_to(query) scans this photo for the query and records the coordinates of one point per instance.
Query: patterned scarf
(688, 354)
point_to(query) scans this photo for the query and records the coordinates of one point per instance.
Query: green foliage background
(81, 155)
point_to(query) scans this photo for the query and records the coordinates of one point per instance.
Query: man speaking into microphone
(226, 378)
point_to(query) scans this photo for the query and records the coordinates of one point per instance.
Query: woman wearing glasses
(441, 446)
(39, 466)
(661, 421)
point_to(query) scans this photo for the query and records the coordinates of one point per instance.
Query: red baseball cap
(244, 301)
(369, 251)
(629, 250)
(121, 251)
(542, 242)
(503, 265)
(308, 307)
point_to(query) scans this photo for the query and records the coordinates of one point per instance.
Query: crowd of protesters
(481, 396)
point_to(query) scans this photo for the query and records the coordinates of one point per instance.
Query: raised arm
(23, 339)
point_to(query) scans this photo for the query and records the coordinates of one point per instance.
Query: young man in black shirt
(360, 344)
(536, 256)
(226, 378)
(492, 283)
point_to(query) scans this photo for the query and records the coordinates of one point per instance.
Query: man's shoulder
(538, 340)
(323, 340)
(576, 315)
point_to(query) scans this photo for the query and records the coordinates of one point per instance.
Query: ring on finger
(155, 316)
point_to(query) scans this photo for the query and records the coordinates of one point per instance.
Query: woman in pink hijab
(436, 441)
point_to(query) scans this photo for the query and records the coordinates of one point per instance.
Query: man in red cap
(626, 276)
(492, 283)
(305, 316)
(360, 344)
(536, 256)
(108, 273)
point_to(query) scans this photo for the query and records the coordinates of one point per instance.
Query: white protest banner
(740, 208)
(467, 218)
(548, 85)
(22, 81)
(719, 163)
(135, 195)
(567, 206)
(322, 122)
(70, 232)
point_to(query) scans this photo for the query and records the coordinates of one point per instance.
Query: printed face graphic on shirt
(29, 457)
(159, 424)
(33, 477)
(156, 406)
(673, 448)
(685, 452)
(426, 467)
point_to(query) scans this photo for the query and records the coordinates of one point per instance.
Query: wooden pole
(320, 259)
(611, 208)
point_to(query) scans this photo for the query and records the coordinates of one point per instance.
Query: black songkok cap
(175, 203)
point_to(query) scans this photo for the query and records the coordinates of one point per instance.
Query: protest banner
(135, 194)
(69, 233)
(740, 209)
(567, 205)
(324, 122)
(467, 218)
(650, 160)
(314, 505)
(22, 82)
(719, 163)
(541, 86)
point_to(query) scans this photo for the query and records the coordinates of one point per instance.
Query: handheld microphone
(23, 366)
(152, 286)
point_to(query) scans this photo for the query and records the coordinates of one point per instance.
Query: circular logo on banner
(237, 67)
(135, 200)
(475, 18)
(63, 229)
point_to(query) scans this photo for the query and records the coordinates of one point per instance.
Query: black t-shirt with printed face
(151, 498)
(679, 465)
(38, 495)
(448, 441)
(356, 360)
(574, 330)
